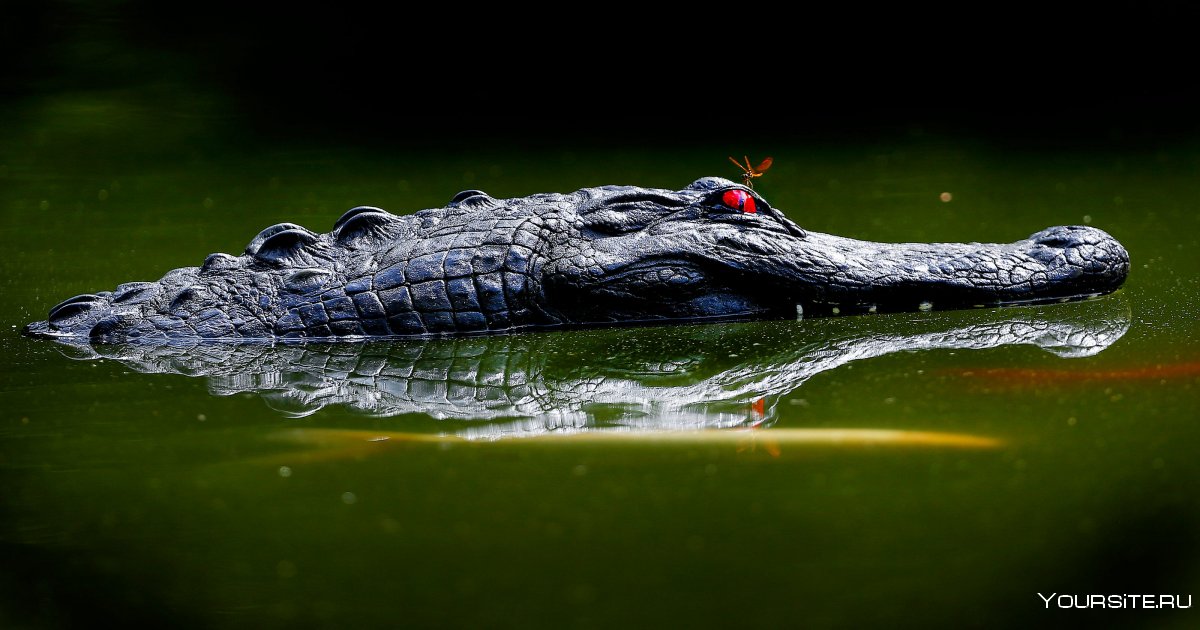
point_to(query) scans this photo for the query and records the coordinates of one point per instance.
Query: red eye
(740, 200)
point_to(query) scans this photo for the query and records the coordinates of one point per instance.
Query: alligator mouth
(1062, 263)
(674, 272)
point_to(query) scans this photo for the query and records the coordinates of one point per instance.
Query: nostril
(1055, 241)
(1063, 236)
(70, 308)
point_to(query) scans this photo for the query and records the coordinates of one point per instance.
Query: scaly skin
(598, 256)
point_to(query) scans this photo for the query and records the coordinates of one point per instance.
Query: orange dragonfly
(750, 172)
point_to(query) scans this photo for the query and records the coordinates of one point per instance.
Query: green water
(181, 496)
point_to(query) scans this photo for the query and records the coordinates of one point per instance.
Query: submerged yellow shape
(361, 442)
(848, 437)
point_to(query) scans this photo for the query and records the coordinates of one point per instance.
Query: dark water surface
(928, 467)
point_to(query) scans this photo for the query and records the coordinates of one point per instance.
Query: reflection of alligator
(596, 256)
(666, 378)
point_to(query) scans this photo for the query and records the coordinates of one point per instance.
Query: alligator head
(598, 256)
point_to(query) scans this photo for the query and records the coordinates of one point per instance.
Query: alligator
(611, 255)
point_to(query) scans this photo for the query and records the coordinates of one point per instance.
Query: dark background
(453, 77)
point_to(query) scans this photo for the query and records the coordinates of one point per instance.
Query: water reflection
(648, 379)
